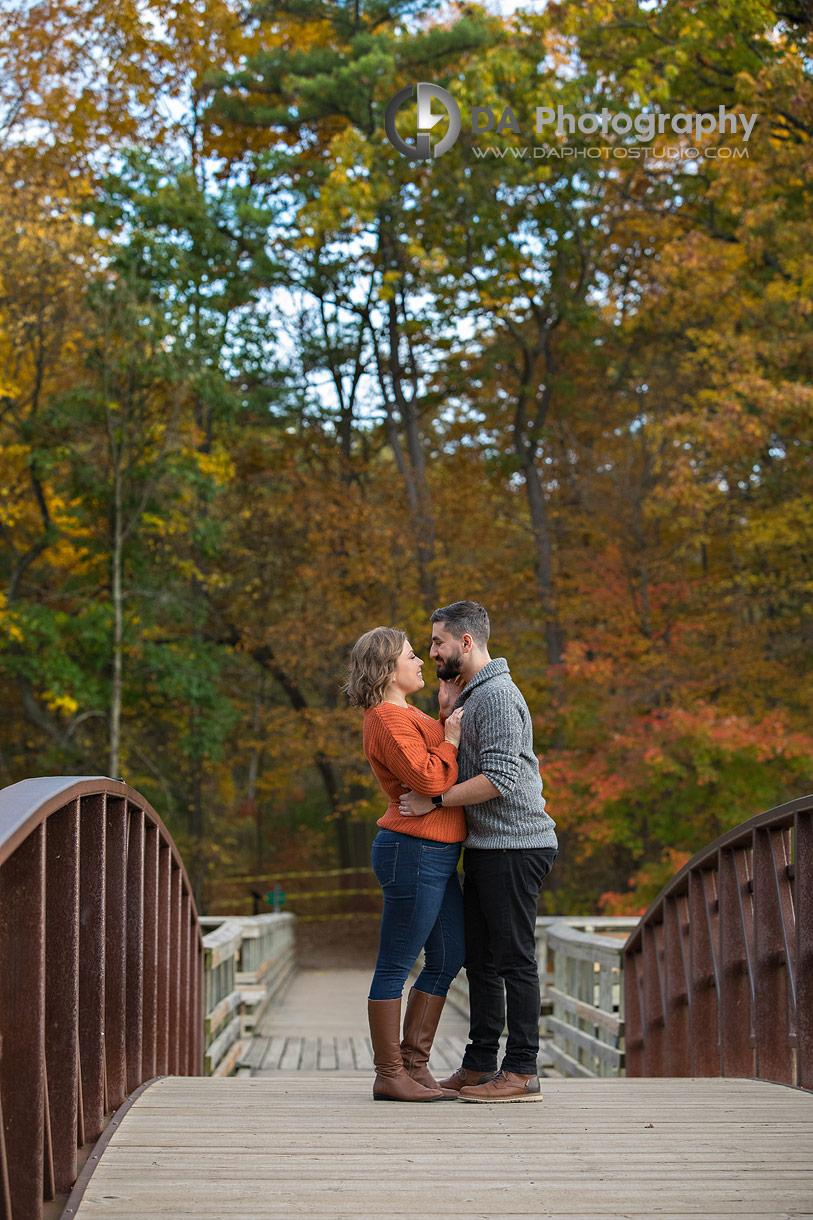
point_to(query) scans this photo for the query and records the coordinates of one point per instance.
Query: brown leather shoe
(505, 1086)
(391, 1081)
(420, 1025)
(465, 1076)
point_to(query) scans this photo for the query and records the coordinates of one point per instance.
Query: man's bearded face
(449, 666)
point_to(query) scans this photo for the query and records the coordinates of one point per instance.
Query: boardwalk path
(321, 1027)
(312, 1143)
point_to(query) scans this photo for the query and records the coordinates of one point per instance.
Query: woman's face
(407, 677)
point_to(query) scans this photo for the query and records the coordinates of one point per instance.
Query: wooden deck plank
(273, 1054)
(255, 1053)
(344, 1055)
(291, 1055)
(310, 1053)
(314, 1144)
(363, 1055)
(340, 1209)
(326, 1059)
(447, 1053)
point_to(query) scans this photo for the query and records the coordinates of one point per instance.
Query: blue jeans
(423, 909)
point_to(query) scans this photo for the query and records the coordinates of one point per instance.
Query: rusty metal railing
(100, 973)
(719, 973)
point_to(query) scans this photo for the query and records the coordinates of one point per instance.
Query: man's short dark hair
(464, 618)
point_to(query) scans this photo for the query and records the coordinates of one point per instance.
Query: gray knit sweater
(496, 740)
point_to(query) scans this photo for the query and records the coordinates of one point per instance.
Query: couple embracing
(471, 778)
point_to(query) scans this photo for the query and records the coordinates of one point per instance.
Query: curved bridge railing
(718, 974)
(100, 973)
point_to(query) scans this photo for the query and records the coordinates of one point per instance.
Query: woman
(415, 861)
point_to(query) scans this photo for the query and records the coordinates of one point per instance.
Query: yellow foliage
(217, 465)
(155, 522)
(60, 703)
(8, 623)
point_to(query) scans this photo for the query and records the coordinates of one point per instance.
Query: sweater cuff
(504, 784)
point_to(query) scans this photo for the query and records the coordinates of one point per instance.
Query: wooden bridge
(115, 1003)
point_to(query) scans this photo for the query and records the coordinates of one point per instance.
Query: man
(510, 849)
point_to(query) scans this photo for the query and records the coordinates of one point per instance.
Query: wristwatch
(437, 800)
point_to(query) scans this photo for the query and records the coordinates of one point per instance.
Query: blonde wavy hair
(372, 663)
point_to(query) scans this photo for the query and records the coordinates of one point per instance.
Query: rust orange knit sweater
(405, 746)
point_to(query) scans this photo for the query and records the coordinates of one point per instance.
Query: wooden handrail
(718, 974)
(100, 973)
(248, 962)
(580, 960)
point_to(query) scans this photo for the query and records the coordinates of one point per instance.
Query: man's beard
(451, 667)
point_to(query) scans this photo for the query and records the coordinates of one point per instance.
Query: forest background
(265, 384)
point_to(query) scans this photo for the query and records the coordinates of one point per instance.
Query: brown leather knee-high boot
(391, 1081)
(420, 1025)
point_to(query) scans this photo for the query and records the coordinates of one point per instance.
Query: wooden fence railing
(249, 961)
(580, 959)
(580, 966)
(719, 973)
(100, 973)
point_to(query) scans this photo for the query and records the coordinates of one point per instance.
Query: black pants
(500, 892)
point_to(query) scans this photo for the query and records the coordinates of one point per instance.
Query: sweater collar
(495, 667)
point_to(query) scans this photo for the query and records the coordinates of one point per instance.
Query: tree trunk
(543, 562)
(530, 417)
(197, 824)
(116, 560)
(403, 418)
(254, 766)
